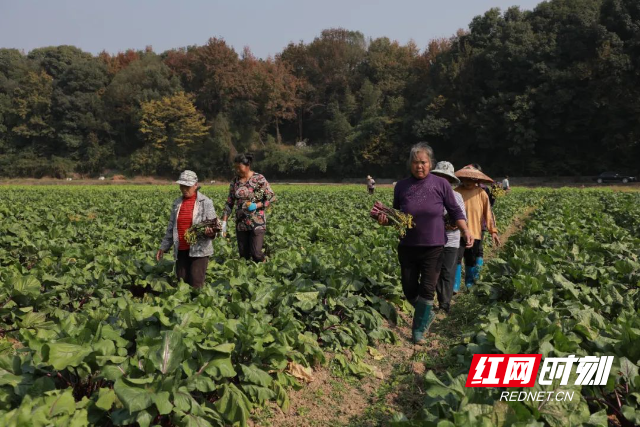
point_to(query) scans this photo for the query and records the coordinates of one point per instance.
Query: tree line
(553, 91)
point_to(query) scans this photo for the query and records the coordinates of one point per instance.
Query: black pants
(470, 254)
(250, 244)
(461, 251)
(191, 269)
(444, 289)
(419, 268)
(371, 190)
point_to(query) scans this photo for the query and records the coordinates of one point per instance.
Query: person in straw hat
(191, 208)
(492, 199)
(452, 249)
(371, 184)
(478, 210)
(425, 196)
(487, 190)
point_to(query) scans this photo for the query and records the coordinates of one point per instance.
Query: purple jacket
(425, 199)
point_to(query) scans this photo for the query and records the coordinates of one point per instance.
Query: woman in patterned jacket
(251, 194)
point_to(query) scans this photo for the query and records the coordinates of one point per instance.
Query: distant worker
(505, 184)
(371, 184)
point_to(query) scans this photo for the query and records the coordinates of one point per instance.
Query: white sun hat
(446, 170)
(188, 178)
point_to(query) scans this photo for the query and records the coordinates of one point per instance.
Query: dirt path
(335, 400)
(518, 223)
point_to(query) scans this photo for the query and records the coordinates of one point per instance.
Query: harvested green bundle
(399, 220)
(197, 231)
(256, 196)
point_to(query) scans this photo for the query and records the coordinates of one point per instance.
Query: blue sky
(265, 26)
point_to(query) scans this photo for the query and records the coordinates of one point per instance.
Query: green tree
(171, 126)
(78, 108)
(141, 81)
(388, 65)
(212, 156)
(32, 106)
(337, 128)
(14, 67)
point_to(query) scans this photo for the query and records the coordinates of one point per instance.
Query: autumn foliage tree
(117, 62)
(170, 126)
(551, 90)
(278, 94)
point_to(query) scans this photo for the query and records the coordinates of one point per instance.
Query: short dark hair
(244, 158)
(422, 147)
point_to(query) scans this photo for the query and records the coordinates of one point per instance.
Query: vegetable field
(94, 331)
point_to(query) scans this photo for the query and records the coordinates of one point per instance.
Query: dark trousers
(461, 250)
(419, 270)
(371, 190)
(470, 254)
(191, 269)
(444, 289)
(250, 244)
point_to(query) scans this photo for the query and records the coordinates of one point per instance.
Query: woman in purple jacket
(424, 196)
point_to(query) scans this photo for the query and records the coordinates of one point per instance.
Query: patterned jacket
(202, 210)
(256, 189)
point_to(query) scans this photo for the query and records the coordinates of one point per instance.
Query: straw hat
(446, 170)
(469, 172)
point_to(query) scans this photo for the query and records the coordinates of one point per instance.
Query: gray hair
(425, 148)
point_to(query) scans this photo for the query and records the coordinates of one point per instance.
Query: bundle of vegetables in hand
(197, 231)
(397, 219)
(256, 197)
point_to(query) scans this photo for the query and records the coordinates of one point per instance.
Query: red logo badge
(503, 370)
